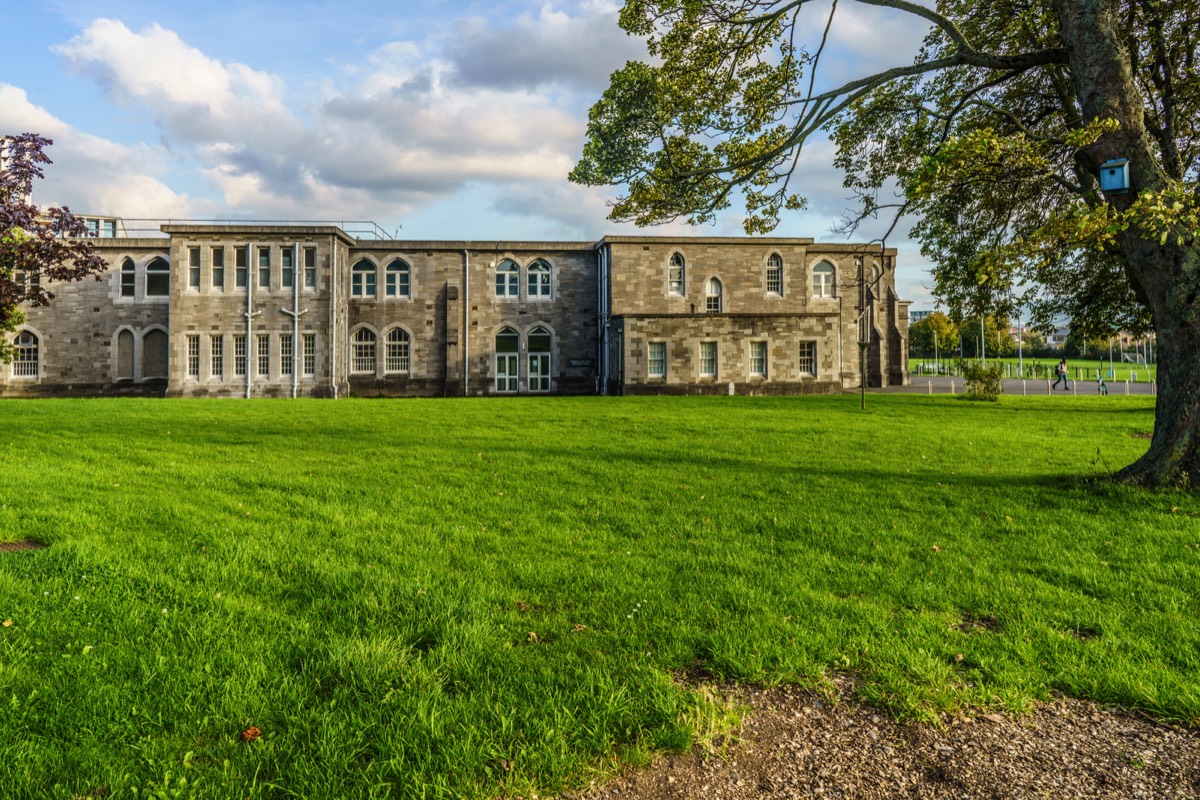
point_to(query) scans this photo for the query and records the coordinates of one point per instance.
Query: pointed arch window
(675, 274)
(362, 352)
(540, 275)
(125, 355)
(362, 279)
(128, 278)
(396, 351)
(27, 355)
(775, 274)
(398, 285)
(822, 276)
(712, 296)
(508, 344)
(154, 354)
(508, 278)
(538, 344)
(158, 278)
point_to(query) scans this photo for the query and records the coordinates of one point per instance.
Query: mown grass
(463, 598)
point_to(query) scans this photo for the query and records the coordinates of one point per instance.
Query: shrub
(982, 383)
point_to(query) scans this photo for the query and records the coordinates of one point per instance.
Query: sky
(435, 119)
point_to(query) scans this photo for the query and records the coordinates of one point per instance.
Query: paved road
(942, 385)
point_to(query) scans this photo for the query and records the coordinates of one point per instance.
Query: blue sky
(440, 118)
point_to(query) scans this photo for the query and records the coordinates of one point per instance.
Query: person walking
(1061, 372)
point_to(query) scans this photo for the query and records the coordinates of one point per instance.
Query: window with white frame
(158, 278)
(656, 360)
(508, 278)
(712, 296)
(539, 275)
(362, 352)
(808, 359)
(287, 269)
(216, 359)
(538, 345)
(675, 274)
(239, 267)
(264, 355)
(194, 268)
(708, 359)
(310, 268)
(286, 362)
(128, 278)
(822, 276)
(775, 274)
(26, 355)
(239, 354)
(508, 344)
(218, 268)
(362, 279)
(398, 274)
(310, 354)
(758, 359)
(193, 356)
(396, 351)
(264, 268)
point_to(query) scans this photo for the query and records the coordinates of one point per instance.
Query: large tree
(992, 139)
(36, 246)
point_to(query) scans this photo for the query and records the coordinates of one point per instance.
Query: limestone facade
(247, 310)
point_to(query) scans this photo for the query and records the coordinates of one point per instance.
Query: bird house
(1114, 176)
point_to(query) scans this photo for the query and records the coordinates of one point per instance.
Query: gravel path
(795, 744)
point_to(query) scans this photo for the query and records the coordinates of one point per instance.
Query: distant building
(916, 316)
(274, 310)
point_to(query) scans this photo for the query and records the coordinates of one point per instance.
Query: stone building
(256, 310)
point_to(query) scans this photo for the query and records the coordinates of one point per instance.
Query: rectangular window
(264, 355)
(217, 361)
(193, 356)
(108, 228)
(264, 268)
(193, 267)
(310, 354)
(657, 359)
(310, 268)
(239, 267)
(239, 354)
(287, 269)
(218, 268)
(285, 354)
(758, 359)
(774, 279)
(708, 359)
(808, 359)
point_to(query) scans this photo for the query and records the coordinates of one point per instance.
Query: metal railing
(137, 227)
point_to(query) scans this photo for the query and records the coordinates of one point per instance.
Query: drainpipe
(333, 342)
(841, 333)
(466, 339)
(605, 259)
(295, 313)
(249, 316)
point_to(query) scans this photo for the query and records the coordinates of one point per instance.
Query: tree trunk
(1165, 277)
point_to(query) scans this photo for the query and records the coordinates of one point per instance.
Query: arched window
(539, 279)
(128, 278)
(508, 343)
(362, 278)
(362, 352)
(154, 354)
(675, 275)
(396, 351)
(775, 274)
(125, 355)
(823, 280)
(508, 278)
(25, 359)
(538, 345)
(158, 278)
(712, 296)
(397, 279)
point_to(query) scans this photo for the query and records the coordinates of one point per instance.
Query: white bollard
(1023, 391)
(1048, 389)
(731, 388)
(1153, 388)
(1126, 388)
(931, 387)
(951, 387)
(1074, 384)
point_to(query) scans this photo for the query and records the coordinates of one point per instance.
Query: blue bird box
(1114, 176)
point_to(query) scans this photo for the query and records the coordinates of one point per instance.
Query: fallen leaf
(533, 637)
(250, 734)
(7, 623)
(958, 658)
(578, 628)
(936, 549)
(522, 605)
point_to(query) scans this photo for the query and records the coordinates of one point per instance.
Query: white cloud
(91, 174)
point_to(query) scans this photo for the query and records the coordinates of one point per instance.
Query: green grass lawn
(1043, 368)
(450, 598)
